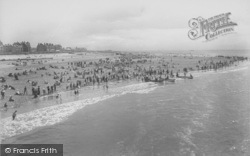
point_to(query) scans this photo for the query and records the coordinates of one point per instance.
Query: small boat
(159, 80)
(170, 80)
(150, 80)
(185, 77)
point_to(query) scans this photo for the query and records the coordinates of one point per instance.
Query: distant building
(1, 46)
(48, 47)
(68, 49)
(82, 49)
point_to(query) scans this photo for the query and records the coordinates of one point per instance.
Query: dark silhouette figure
(14, 115)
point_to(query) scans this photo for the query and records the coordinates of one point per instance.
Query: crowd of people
(47, 79)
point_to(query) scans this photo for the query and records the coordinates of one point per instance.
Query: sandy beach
(124, 78)
(49, 75)
(125, 113)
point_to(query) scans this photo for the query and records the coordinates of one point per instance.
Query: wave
(54, 114)
(234, 70)
(144, 91)
(241, 67)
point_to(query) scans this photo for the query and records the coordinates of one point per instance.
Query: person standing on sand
(5, 106)
(33, 91)
(38, 90)
(2, 94)
(11, 99)
(54, 87)
(48, 89)
(107, 86)
(51, 89)
(25, 91)
(44, 91)
(14, 115)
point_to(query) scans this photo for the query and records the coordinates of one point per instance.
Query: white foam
(43, 117)
(134, 87)
(243, 66)
(51, 115)
(145, 91)
(234, 70)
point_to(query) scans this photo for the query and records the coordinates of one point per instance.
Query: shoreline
(65, 110)
(61, 112)
(122, 83)
(27, 104)
(33, 76)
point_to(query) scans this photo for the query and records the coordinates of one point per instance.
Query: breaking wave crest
(54, 114)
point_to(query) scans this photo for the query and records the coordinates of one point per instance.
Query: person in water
(58, 95)
(191, 76)
(14, 115)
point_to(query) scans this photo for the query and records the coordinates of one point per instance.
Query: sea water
(206, 116)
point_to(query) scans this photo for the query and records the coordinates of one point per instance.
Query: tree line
(25, 46)
(48, 47)
(16, 47)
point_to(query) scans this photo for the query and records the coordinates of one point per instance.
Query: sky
(120, 24)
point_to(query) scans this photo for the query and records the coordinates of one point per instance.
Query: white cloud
(120, 25)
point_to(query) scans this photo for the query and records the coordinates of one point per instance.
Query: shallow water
(207, 116)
